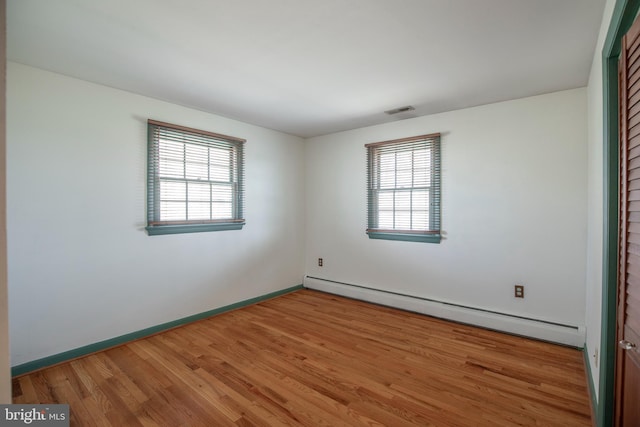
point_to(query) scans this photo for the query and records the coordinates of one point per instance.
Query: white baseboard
(540, 329)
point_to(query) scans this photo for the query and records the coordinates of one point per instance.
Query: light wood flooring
(313, 359)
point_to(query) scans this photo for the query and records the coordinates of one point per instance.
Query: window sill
(424, 238)
(192, 228)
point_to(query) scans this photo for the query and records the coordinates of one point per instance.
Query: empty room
(320, 213)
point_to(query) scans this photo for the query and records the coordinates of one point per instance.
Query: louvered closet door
(628, 321)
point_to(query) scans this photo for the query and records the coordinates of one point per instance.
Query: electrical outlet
(319, 262)
(595, 356)
(519, 291)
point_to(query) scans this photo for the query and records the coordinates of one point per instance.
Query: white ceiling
(312, 67)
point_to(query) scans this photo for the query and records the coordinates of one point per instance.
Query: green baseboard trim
(55, 359)
(590, 385)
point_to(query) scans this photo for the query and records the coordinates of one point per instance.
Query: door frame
(624, 13)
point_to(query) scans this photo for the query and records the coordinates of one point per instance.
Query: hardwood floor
(314, 359)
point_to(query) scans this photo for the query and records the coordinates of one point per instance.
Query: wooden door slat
(633, 238)
(634, 67)
(634, 142)
(633, 206)
(633, 99)
(631, 80)
(635, 152)
(634, 163)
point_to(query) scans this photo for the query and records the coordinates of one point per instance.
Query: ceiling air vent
(399, 110)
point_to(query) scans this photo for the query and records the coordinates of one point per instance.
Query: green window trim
(158, 230)
(407, 237)
(403, 189)
(195, 180)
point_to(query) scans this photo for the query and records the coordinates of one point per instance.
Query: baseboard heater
(570, 335)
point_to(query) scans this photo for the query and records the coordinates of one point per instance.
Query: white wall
(595, 201)
(513, 209)
(81, 267)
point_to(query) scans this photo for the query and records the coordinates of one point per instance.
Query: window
(404, 189)
(195, 180)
